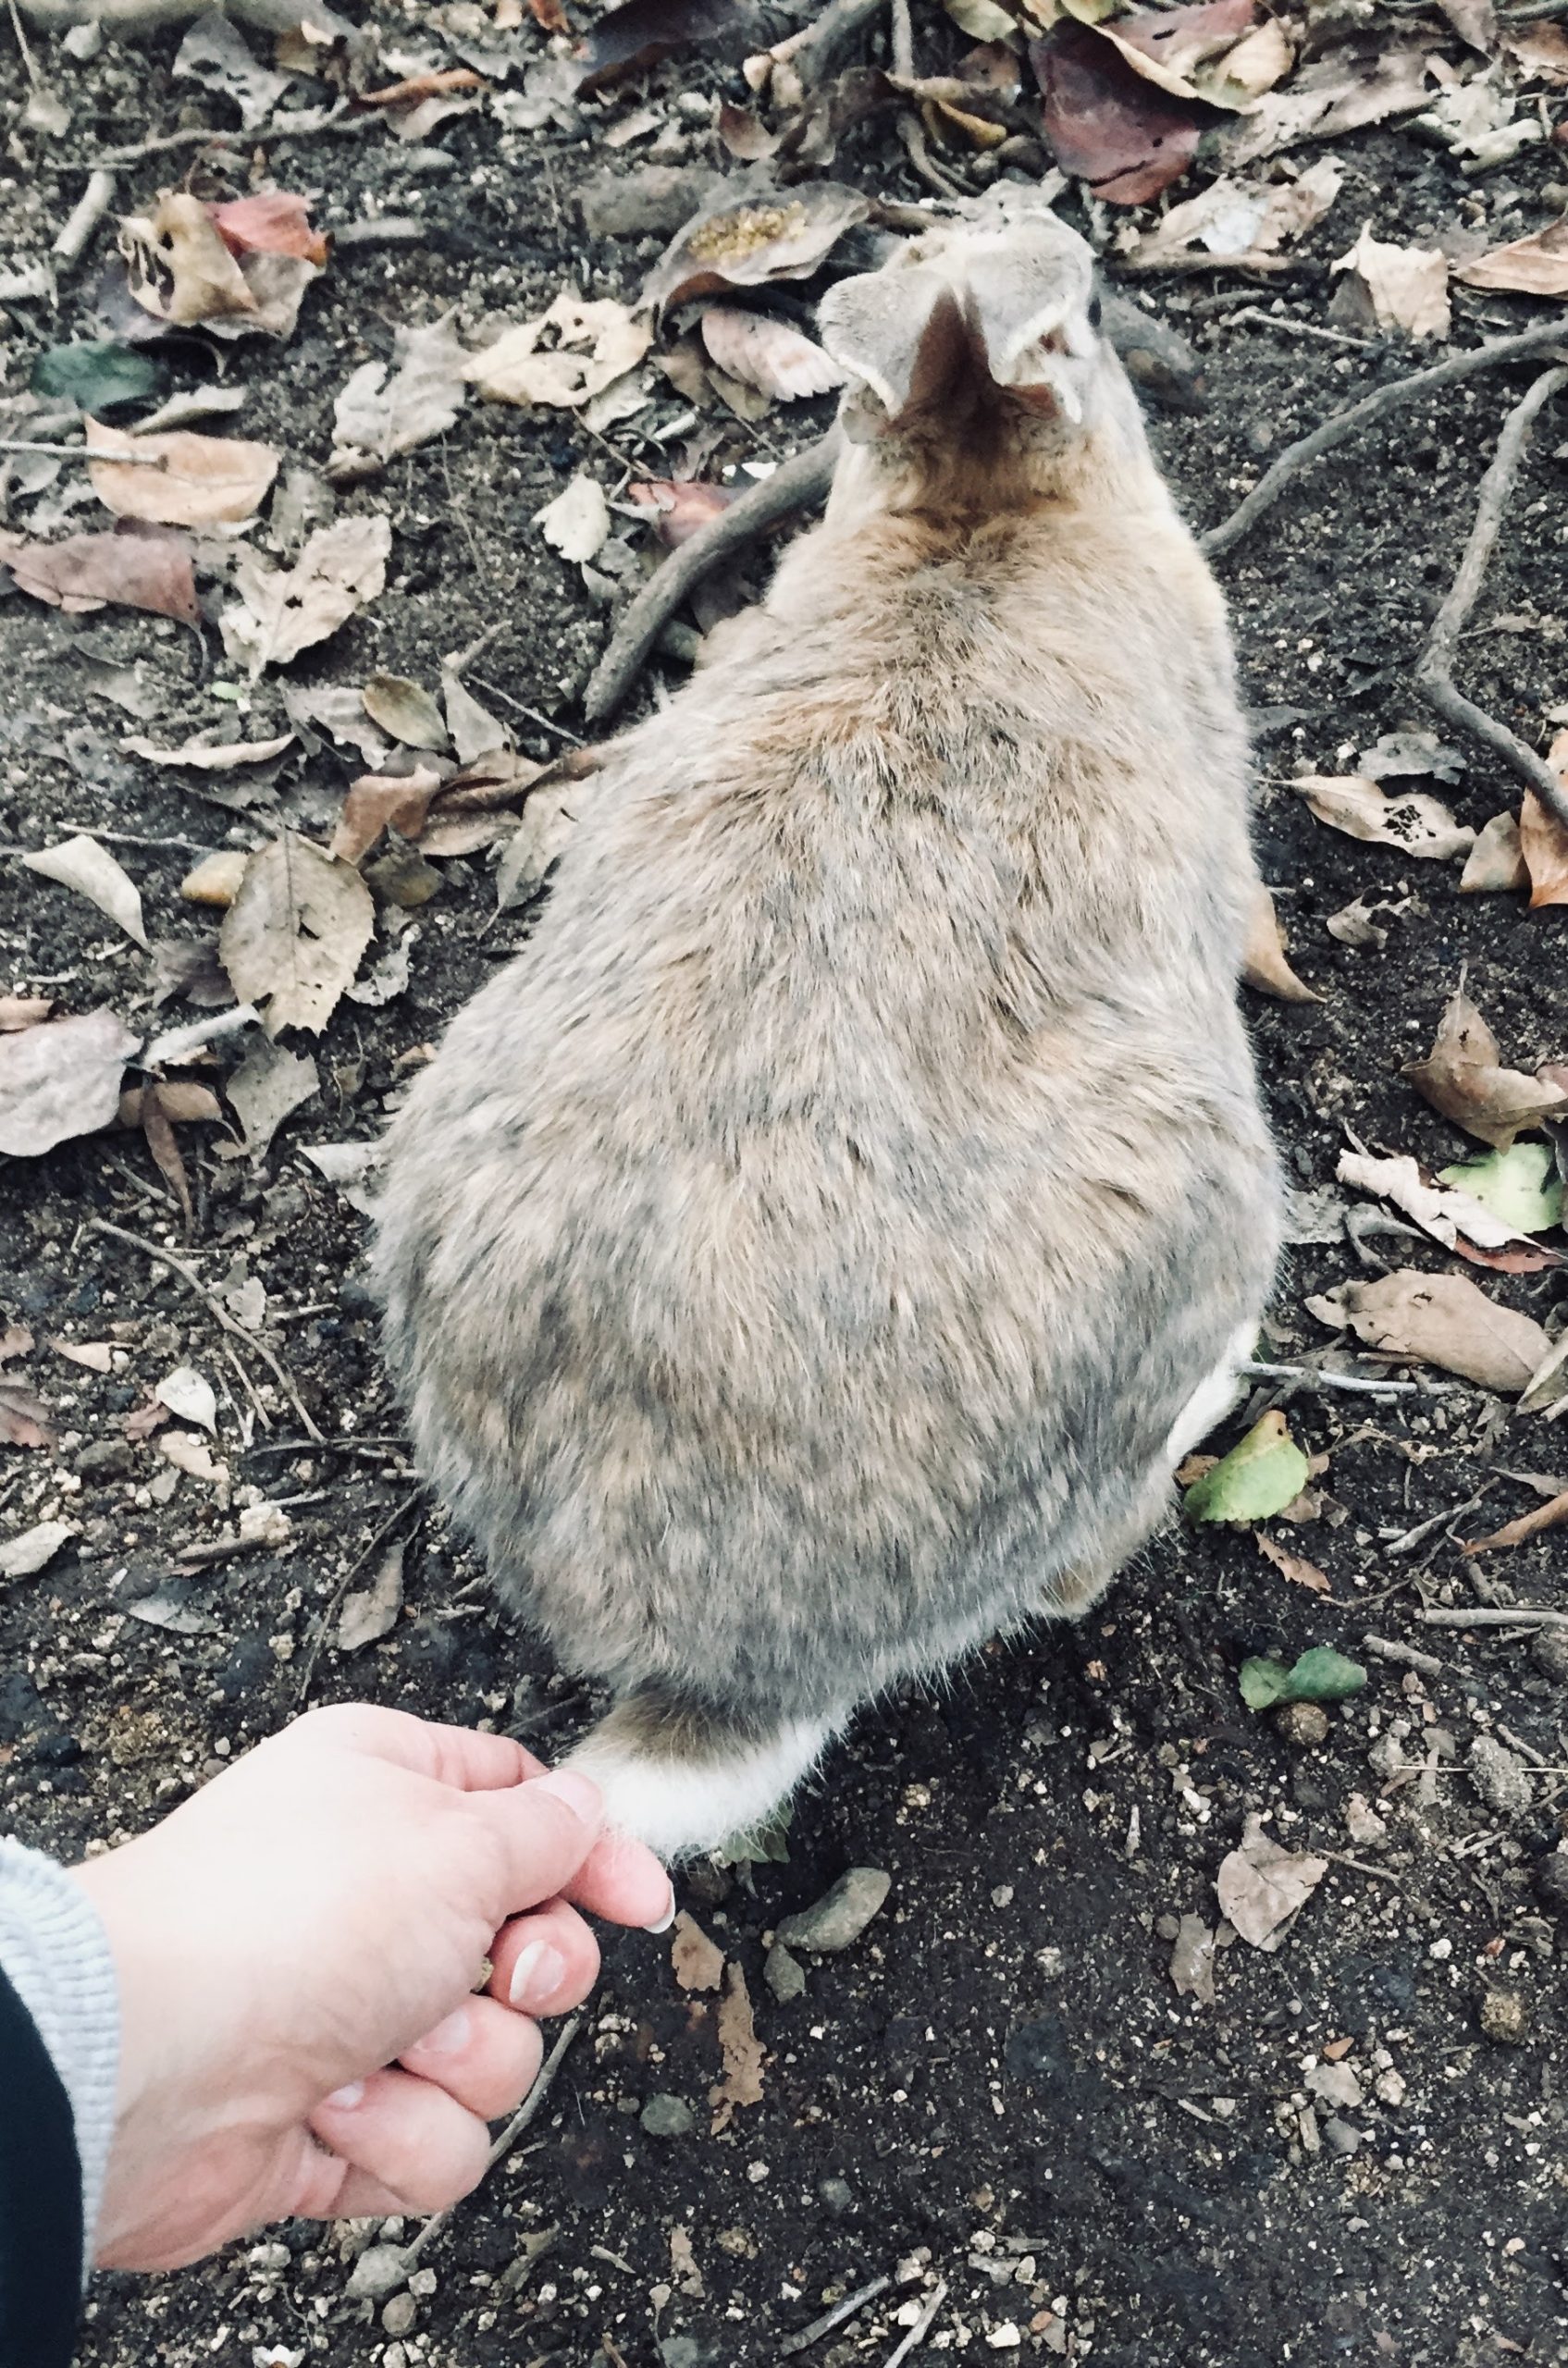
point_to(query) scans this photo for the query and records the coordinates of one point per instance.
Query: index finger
(463, 1757)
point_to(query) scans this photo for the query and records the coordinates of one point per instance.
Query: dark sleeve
(41, 2249)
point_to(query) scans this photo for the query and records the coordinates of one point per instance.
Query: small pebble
(837, 2195)
(398, 2315)
(380, 2270)
(1334, 2084)
(841, 1915)
(1551, 1876)
(1339, 2137)
(1303, 1724)
(1005, 2338)
(1501, 1777)
(784, 1975)
(1549, 1650)
(666, 2116)
(1391, 2088)
(1505, 2018)
(1363, 1825)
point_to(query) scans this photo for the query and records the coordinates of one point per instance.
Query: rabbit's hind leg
(684, 1778)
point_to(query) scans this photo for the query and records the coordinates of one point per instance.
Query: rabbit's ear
(1022, 292)
(900, 333)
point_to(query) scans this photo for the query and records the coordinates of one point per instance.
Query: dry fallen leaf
(1463, 1077)
(577, 521)
(204, 756)
(1528, 1526)
(1191, 1960)
(594, 343)
(1107, 124)
(205, 479)
(82, 864)
(190, 1454)
(1398, 288)
(191, 1396)
(18, 1012)
(1444, 1211)
(1540, 51)
(1238, 221)
(179, 268)
(681, 507)
(213, 53)
(268, 1085)
(742, 2083)
(1496, 863)
(1543, 842)
(1416, 824)
(1294, 1567)
(338, 710)
(86, 571)
(1262, 1889)
(294, 934)
(369, 1616)
(743, 243)
(24, 1419)
(1439, 1320)
(1350, 87)
(378, 802)
(1263, 963)
(98, 1356)
(271, 222)
(764, 352)
(1534, 266)
(284, 610)
(61, 1078)
(404, 710)
(698, 1962)
(473, 730)
(383, 411)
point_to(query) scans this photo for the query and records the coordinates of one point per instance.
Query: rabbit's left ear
(901, 333)
(1022, 294)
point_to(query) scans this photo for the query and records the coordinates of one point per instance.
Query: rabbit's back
(803, 1251)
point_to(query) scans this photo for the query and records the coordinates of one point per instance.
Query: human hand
(296, 1946)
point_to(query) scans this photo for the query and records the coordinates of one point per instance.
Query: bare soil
(998, 2083)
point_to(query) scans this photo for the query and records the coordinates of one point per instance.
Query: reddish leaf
(681, 506)
(1523, 1261)
(1107, 125)
(24, 1419)
(275, 222)
(551, 16)
(85, 571)
(425, 86)
(640, 32)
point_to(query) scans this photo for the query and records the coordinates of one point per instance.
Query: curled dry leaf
(1398, 288)
(368, 1616)
(268, 1085)
(594, 343)
(1107, 124)
(1543, 842)
(1263, 963)
(744, 243)
(742, 2083)
(179, 268)
(294, 934)
(205, 756)
(405, 711)
(1262, 1889)
(681, 507)
(384, 410)
(1444, 1212)
(1416, 824)
(82, 864)
(473, 730)
(284, 610)
(1294, 1567)
(1440, 1320)
(184, 1102)
(204, 480)
(379, 802)
(767, 354)
(87, 571)
(1461, 1076)
(1238, 221)
(24, 1556)
(1552, 1515)
(61, 1078)
(1496, 862)
(577, 521)
(1534, 266)
(630, 39)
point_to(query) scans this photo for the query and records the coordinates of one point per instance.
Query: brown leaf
(24, 1419)
(1442, 1320)
(1263, 965)
(406, 711)
(681, 507)
(416, 87)
(1527, 1525)
(742, 2083)
(1461, 1077)
(1294, 1567)
(1395, 287)
(159, 1132)
(18, 1012)
(143, 1420)
(1167, 45)
(204, 756)
(90, 570)
(594, 344)
(15, 1341)
(1534, 266)
(1540, 51)
(61, 1078)
(273, 222)
(98, 1356)
(1192, 1961)
(1543, 842)
(179, 268)
(283, 611)
(1107, 124)
(184, 1102)
(377, 801)
(1415, 823)
(745, 135)
(764, 352)
(698, 1962)
(294, 936)
(1262, 1889)
(204, 479)
(551, 16)
(634, 36)
(1354, 85)
(372, 1614)
(746, 243)
(1496, 863)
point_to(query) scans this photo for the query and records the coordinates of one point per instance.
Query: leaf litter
(293, 939)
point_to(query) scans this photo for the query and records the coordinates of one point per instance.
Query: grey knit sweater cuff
(57, 1956)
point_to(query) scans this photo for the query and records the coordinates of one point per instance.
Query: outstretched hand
(298, 1947)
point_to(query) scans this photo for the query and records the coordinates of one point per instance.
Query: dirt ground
(1355, 2152)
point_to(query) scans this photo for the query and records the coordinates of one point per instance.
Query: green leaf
(1263, 1683)
(1320, 1675)
(1520, 1187)
(97, 373)
(1259, 1477)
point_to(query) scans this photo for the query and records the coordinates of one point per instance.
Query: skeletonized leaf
(1534, 266)
(594, 344)
(284, 610)
(1261, 1475)
(266, 1087)
(82, 864)
(764, 352)
(1461, 1076)
(1263, 963)
(1416, 824)
(743, 244)
(1399, 288)
(61, 1078)
(577, 521)
(90, 570)
(382, 411)
(406, 711)
(294, 936)
(180, 270)
(203, 478)
(1440, 1320)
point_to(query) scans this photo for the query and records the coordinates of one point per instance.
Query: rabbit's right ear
(900, 333)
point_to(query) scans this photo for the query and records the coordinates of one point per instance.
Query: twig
(324, 1625)
(1383, 400)
(1496, 1615)
(1384, 1650)
(543, 2081)
(21, 45)
(1289, 327)
(1526, 1751)
(269, 135)
(815, 54)
(494, 691)
(136, 839)
(912, 133)
(80, 452)
(84, 217)
(213, 1306)
(1433, 675)
(120, 17)
(800, 482)
(1409, 1539)
(392, 230)
(1362, 1868)
(921, 2327)
(460, 660)
(901, 41)
(1315, 1377)
(179, 1044)
(804, 2337)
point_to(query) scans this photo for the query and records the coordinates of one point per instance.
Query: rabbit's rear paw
(685, 1785)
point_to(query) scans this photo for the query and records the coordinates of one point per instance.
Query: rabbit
(813, 1254)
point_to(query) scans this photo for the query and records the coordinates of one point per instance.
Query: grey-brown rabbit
(815, 1251)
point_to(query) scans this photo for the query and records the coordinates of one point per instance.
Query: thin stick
(1314, 1377)
(1409, 1539)
(1496, 1615)
(1384, 1650)
(1340, 424)
(136, 839)
(494, 691)
(179, 1044)
(1288, 327)
(80, 452)
(815, 54)
(800, 483)
(323, 1624)
(1433, 675)
(921, 2327)
(901, 41)
(805, 2337)
(84, 217)
(527, 2112)
(337, 118)
(215, 1308)
(21, 45)
(1362, 1868)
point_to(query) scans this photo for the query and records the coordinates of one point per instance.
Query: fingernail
(450, 2037)
(344, 2100)
(537, 1976)
(667, 1918)
(580, 1792)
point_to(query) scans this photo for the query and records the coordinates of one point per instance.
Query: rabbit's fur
(812, 1253)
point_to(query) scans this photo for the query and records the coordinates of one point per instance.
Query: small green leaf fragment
(1263, 1683)
(97, 373)
(1261, 1475)
(1324, 1675)
(1521, 1186)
